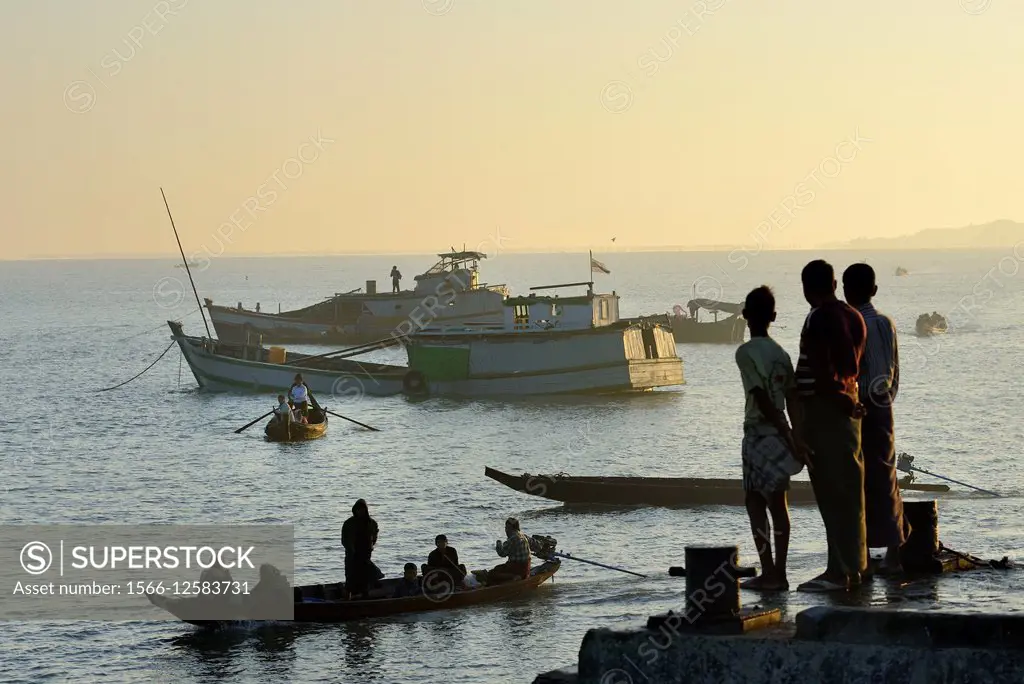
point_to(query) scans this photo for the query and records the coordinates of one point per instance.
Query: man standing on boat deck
(396, 276)
(359, 536)
(516, 548)
(831, 346)
(879, 383)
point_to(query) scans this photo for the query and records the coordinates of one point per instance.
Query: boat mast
(187, 269)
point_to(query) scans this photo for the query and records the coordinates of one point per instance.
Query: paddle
(905, 462)
(249, 425)
(316, 405)
(351, 421)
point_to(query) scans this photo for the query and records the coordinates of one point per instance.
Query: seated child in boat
(283, 412)
(410, 584)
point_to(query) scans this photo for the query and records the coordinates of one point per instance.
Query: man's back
(831, 347)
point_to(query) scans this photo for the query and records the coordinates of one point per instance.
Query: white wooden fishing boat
(226, 366)
(449, 292)
(546, 345)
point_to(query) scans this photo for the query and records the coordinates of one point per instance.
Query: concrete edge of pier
(826, 644)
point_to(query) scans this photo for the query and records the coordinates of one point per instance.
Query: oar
(368, 427)
(562, 554)
(316, 405)
(249, 425)
(905, 463)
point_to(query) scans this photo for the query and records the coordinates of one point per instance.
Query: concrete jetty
(825, 644)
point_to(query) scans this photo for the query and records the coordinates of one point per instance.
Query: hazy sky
(562, 122)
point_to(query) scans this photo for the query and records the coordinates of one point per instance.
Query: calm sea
(157, 450)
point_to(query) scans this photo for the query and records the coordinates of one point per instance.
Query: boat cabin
(538, 313)
(459, 270)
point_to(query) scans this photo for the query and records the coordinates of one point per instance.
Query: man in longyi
(831, 346)
(879, 382)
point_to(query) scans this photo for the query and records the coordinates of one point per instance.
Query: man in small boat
(272, 595)
(359, 536)
(878, 383)
(515, 547)
(771, 451)
(831, 347)
(396, 277)
(410, 584)
(299, 396)
(443, 564)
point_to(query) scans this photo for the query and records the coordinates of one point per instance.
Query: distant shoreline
(748, 249)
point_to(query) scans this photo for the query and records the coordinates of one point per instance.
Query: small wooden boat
(323, 602)
(931, 324)
(298, 432)
(669, 492)
(691, 330)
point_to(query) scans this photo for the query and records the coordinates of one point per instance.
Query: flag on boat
(596, 266)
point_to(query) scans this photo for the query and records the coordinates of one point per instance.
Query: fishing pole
(905, 462)
(562, 554)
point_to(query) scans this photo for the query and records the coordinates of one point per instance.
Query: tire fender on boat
(414, 382)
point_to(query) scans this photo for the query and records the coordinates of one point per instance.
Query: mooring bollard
(922, 546)
(712, 582)
(712, 599)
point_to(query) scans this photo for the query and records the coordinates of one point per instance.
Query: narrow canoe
(298, 432)
(321, 603)
(669, 492)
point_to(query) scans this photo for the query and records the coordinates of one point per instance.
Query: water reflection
(222, 652)
(359, 640)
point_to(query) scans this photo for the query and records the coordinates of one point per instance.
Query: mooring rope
(107, 389)
(162, 325)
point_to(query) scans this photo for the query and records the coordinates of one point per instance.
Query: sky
(336, 126)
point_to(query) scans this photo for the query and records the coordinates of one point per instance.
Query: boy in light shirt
(771, 452)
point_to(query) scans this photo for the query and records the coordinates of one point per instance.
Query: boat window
(604, 309)
(521, 311)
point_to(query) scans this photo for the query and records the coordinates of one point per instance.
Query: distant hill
(1003, 233)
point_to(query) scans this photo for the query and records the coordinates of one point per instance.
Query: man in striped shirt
(879, 382)
(831, 346)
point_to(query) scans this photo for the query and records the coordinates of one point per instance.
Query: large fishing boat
(449, 291)
(546, 345)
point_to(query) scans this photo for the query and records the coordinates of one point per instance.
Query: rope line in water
(162, 325)
(107, 389)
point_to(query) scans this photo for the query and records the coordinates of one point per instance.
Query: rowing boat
(277, 431)
(324, 602)
(669, 492)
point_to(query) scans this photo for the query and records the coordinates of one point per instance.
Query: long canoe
(323, 603)
(297, 432)
(669, 492)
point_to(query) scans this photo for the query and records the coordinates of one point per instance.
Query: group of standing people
(839, 399)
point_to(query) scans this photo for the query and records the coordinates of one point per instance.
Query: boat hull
(609, 359)
(334, 610)
(297, 432)
(726, 331)
(351, 319)
(667, 492)
(221, 367)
